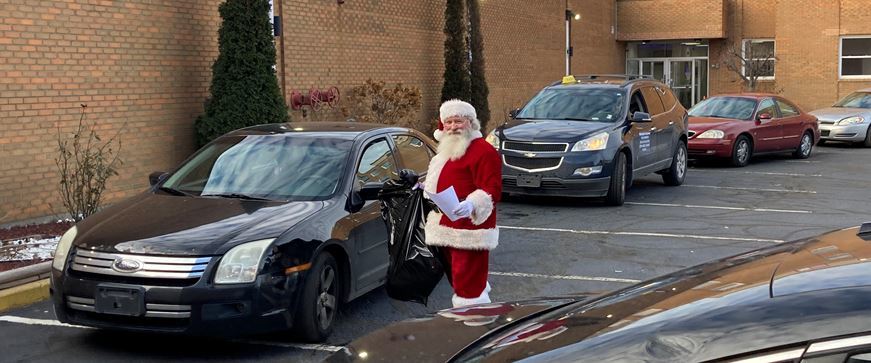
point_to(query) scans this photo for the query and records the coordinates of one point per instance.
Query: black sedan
(808, 301)
(266, 228)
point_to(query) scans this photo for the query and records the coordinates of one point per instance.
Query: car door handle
(670, 123)
(653, 128)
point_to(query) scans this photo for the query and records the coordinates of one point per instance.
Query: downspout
(281, 48)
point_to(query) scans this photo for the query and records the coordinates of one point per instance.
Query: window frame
(744, 43)
(841, 57)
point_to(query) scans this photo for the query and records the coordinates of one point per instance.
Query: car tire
(742, 151)
(867, 142)
(676, 174)
(617, 188)
(319, 303)
(805, 146)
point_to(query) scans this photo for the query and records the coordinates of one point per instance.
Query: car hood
(705, 312)
(549, 130)
(157, 224)
(838, 113)
(466, 326)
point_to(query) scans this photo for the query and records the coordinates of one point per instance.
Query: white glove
(417, 186)
(465, 209)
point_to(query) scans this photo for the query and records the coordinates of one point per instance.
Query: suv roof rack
(592, 77)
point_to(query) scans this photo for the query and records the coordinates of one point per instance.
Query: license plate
(529, 181)
(120, 300)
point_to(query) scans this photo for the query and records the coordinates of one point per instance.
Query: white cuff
(483, 203)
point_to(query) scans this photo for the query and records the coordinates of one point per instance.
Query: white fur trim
(466, 239)
(458, 301)
(433, 171)
(437, 134)
(483, 203)
(457, 107)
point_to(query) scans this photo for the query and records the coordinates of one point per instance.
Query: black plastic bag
(415, 268)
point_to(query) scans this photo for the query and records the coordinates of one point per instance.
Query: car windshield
(725, 107)
(274, 167)
(855, 99)
(577, 104)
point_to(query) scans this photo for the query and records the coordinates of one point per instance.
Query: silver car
(848, 119)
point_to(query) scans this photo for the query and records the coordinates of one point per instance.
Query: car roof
(602, 80)
(775, 296)
(756, 95)
(347, 129)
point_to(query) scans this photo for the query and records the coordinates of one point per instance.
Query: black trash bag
(415, 268)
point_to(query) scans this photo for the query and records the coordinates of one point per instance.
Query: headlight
(711, 134)
(241, 263)
(493, 139)
(851, 121)
(597, 142)
(63, 248)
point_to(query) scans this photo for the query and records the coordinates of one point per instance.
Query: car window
(414, 153)
(301, 167)
(767, 106)
(651, 98)
(576, 104)
(855, 99)
(636, 104)
(739, 108)
(786, 109)
(377, 163)
(667, 97)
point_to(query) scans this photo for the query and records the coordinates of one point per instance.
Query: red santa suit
(476, 176)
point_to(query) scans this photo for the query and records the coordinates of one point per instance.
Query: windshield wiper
(234, 196)
(573, 119)
(174, 191)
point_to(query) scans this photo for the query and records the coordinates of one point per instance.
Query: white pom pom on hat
(455, 107)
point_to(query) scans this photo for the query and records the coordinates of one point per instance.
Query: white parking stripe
(566, 277)
(644, 234)
(724, 208)
(29, 321)
(757, 172)
(753, 189)
(802, 161)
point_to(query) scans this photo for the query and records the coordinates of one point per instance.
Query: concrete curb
(23, 295)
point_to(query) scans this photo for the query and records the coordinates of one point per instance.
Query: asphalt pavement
(548, 246)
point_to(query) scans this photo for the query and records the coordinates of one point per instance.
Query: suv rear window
(577, 104)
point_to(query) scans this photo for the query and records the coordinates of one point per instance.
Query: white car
(848, 119)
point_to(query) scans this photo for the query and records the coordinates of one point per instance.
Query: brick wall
(142, 67)
(670, 19)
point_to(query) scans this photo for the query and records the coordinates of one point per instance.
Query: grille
(535, 147)
(170, 311)
(532, 163)
(151, 267)
(545, 184)
(827, 122)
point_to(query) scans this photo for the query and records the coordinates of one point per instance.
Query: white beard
(454, 146)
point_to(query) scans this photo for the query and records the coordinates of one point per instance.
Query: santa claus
(472, 166)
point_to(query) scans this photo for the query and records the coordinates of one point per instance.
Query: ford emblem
(126, 265)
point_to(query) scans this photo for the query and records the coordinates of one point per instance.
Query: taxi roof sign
(569, 79)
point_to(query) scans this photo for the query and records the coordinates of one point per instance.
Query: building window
(759, 56)
(856, 57)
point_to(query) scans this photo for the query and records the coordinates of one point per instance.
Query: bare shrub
(376, 102)
(85, 163)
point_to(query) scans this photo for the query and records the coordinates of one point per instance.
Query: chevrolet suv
(591, 135)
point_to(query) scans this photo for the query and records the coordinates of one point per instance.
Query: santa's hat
(455, 107)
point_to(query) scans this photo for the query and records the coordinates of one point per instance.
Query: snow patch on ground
(28, 249)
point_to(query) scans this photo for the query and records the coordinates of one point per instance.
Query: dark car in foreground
(807, 300)
(266, 228)
(591, 135)
(738, 126)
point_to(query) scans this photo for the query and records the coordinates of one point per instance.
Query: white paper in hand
(447, 201)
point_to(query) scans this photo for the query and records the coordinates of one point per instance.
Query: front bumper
(719, 148)
(198, 309)
(852, 133)
(559, 180)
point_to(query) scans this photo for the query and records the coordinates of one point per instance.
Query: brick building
(143, 67)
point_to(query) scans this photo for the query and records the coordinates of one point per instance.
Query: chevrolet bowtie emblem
(529, 155)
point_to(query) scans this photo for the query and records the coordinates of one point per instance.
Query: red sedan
(738, 126)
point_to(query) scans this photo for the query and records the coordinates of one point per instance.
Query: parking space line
(757, 172)
(802, 161)
(566, 277)
(752, 189)
(723, 208)
(646, 234)
(47, 322)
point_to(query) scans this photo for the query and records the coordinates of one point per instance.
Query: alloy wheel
(743, 151)
(681, 162)
(806, 145)
(326, 303)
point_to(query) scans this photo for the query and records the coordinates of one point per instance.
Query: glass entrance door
(654, 69)
(700, 84)
(680, 80)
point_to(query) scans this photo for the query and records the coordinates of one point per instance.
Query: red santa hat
(455, 107)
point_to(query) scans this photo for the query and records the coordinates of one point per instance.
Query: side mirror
(513, 113)
(639, 116)
(763, 117)
(369, 191)
(157, 177)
